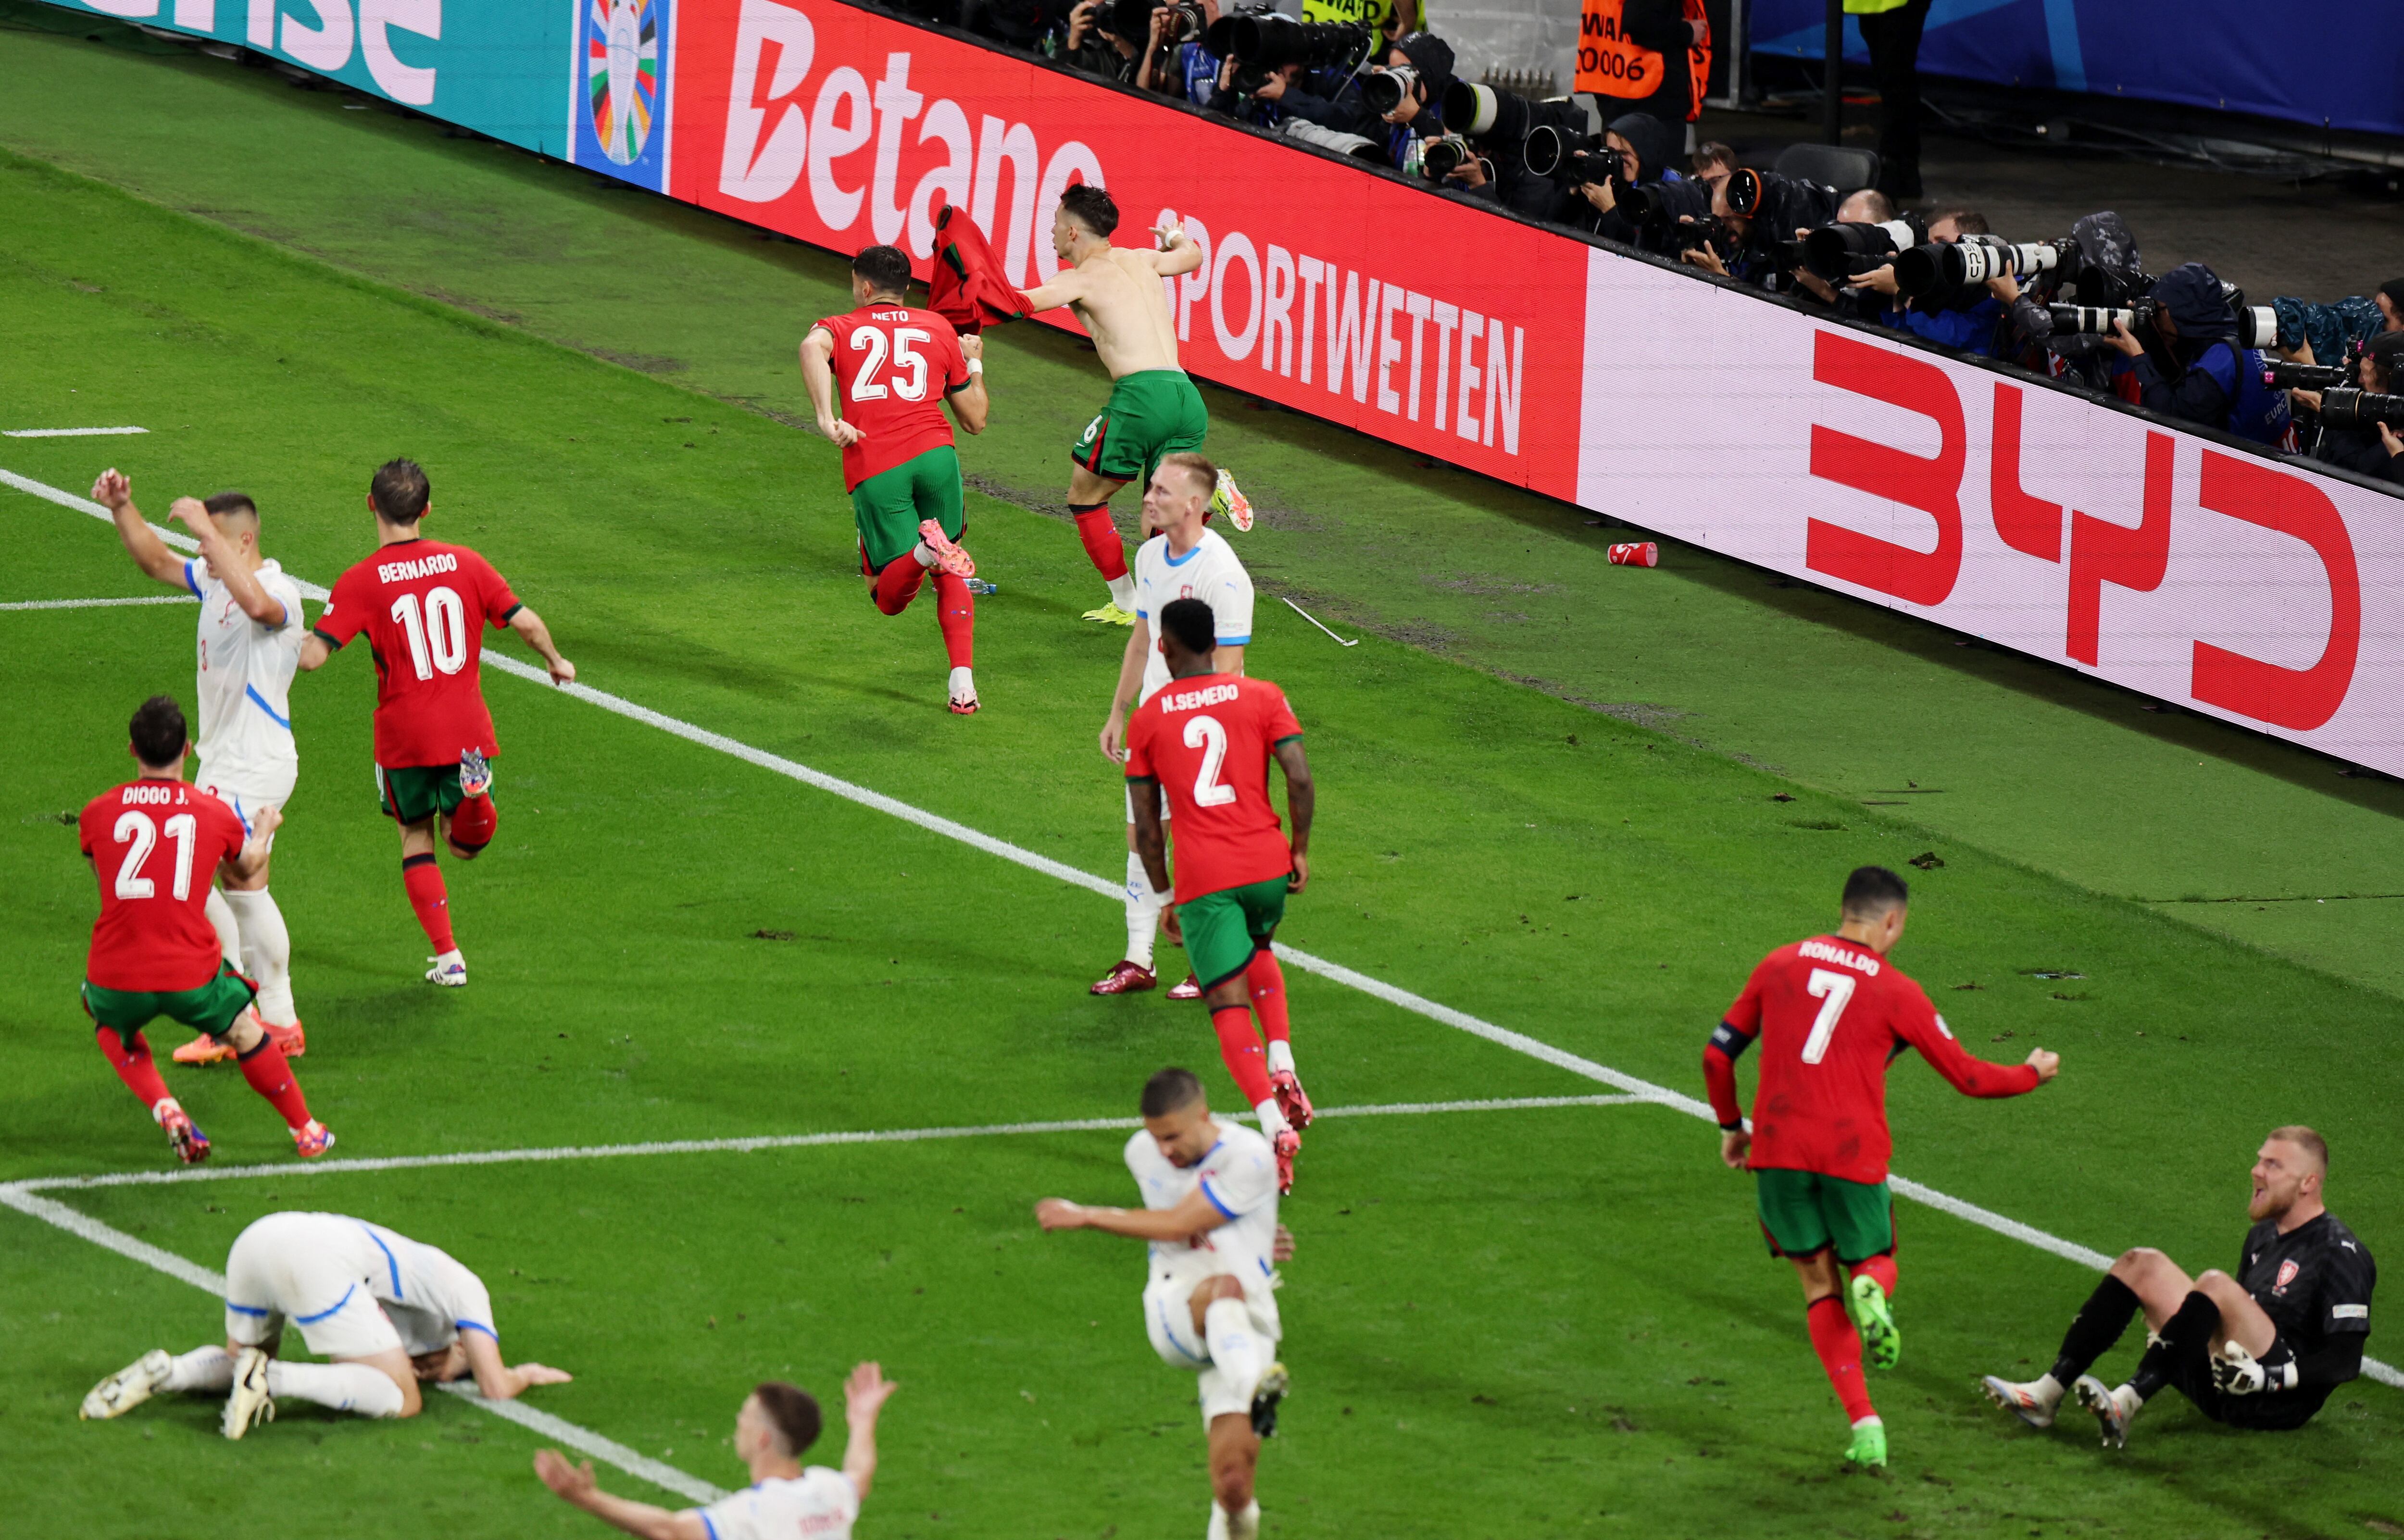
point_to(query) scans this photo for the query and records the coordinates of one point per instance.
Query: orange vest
(1699, 61)
(1608, 64)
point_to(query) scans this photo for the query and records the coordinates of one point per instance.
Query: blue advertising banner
(619, 117)
(2334, 64)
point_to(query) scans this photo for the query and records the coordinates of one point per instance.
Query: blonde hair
(1206, 474)
(2308, 1141)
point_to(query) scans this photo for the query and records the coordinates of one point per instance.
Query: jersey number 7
(1835, 990)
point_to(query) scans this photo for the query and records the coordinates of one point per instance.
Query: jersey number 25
(865, 386)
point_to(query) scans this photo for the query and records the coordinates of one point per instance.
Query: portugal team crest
(622, 62)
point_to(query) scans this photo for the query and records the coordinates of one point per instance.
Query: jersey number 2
(183, 828)
(1834, 990)
(1205, 733)
(437, 635)
(865, 386)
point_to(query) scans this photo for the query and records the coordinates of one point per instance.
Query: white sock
(925, 553)
(1123, 593)
(344, 1387)
(1280, 1056)
(963, 685)
(1143, 908)
(1272, 1120)
(203, 1368)
(2047, 1389)
(229, 929)
(266, 952)
(1235, 1347)
(1218, 1530)
(1245, 1525)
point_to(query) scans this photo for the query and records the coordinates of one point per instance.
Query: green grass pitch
(1526, 1323)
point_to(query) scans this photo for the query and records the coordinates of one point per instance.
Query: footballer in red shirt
(1831, 1014)
(424, 605)
(1205, 740)
(899, 368)
(156, 844)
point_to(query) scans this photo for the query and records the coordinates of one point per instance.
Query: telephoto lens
(1271, 39)
(1656, 203)
(1551, 150)
(2361, 409)
(2283, 376)
(1481, 111)
(1129, 19)
(1385, 89)
(1837, 252)
(2098, 320)
(2257, 326)
(1745, 186)
(1444, 156)
(1946, 267)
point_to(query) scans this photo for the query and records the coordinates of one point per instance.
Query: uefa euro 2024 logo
(622, 53)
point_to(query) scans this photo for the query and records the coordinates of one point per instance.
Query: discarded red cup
(1636, 553)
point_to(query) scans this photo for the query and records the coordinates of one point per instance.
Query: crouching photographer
(1744, 237)
(1485, 153)
(2359, 426)
(2200, 359)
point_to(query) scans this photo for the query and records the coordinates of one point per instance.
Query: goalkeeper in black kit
(2259, 1349)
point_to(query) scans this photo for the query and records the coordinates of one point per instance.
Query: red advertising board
(1413, 318)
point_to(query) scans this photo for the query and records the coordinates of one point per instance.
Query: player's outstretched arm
(1195, 1215)
(863, 1397)
(240, 581)
(1970, 1075)
(1300, 802)
(530, 630)
(114, 492)
(969, 403)
(1067, 288)
(499, 1381)
(576, 1484)
(1178, 253)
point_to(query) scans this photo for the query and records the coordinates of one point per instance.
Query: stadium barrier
(2184, 565)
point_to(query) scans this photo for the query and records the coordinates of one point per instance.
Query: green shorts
(210, 1009)
(889, 505)
(1150, 413)
(1224, 929)
(414, 792)
(1803, 1211)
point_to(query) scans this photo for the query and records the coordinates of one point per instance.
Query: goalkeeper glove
(2237, 1372)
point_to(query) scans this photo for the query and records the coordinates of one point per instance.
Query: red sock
(1266, 981)
(955, 612)
(272, 1077)
(472, 823)
(1102, 538)
(1241, 1047)
(429, 898)
(898, 584)
(1840, 1347)
(134, 1065)
(1880, 1268)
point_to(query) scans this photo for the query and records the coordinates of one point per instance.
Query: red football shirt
(1830, 1014)
(1206, 739)
(157, 846)
(894, 365)
(424, 605)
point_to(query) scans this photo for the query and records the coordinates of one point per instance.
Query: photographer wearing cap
(2191, 366)
(1405, 94)
(1638, 150)
(2369, 445)
(1968, 319)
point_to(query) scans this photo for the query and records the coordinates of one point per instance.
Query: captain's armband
(1729, 1041)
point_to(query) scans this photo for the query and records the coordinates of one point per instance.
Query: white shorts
(248, 805)
(1130, 805)
(1168, 1318)
(281, 1269)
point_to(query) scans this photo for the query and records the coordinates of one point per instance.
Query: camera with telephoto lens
(1268, 39)
(1656, 205)
(1840, 251)
(2306, 376)
(1569, 158)
(2348, 407)
(1386, 88)
(1945, 268)
(2257, 326)
(1481, 111)
(1444, 156)
(1696, 233)
(1132, 20)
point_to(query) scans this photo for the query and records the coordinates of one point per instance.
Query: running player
(388, 1309)
(1210, 1302)
(1185, 560)
(153, 844)
(778, 1422)
(899, 368)
(250, 644)
(423, 606)
(2260, 1349)
(1204, 741)
(1118, 295)
(1831, 1014)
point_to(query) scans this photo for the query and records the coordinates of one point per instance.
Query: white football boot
(128, 1388)
(247, 1404)
(450, 970)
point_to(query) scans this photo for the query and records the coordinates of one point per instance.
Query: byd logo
(2133, 557)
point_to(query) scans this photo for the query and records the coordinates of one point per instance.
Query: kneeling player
(1209, 1211)
(2261, 1349)
(388, 1310)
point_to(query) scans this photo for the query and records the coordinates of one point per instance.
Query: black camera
(1132, 20)
(1444, 156)
(1841, 251)
(2349, 407)
(1385, 89)
(1268, 39)
(1944, 268)
(1654, 204)
(1569, 159)
(1693, 235)
(2307, 376)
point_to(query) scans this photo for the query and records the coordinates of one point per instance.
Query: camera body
(1440, 157)
(1570, 160)
(1131, 20)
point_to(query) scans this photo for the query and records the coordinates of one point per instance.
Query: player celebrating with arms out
(1210, 1302)
(249, 647)
(1831, 1013)
(1205, 741)
(1153, 410)
(424, 605)
(899, 368)
(153, 844)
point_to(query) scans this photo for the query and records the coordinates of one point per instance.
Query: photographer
(1496, 126)
(2108, 272)
(1968, 320)
(1638, 149)
(1285, 92)
(1175, 63)
(2375, 449)
(2191, 367)
(2309, 333)
(1418, 67)
(1091, 47)
(1751, 211)
(1862, 206)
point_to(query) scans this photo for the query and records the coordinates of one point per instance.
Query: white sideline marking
(1336, 972)
(67, 432)
(584, 1441)
(98, 604)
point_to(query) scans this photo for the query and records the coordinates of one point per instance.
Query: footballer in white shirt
(387, 1310)
(249, 645)
(785, 1499)
(1209, 1216)
(1185, 559)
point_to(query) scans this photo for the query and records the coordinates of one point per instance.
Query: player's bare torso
(1124, 310)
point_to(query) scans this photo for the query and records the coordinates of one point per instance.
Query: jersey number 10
(438, 634)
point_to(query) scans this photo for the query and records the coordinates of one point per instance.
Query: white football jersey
(1239, 1177)
(1211, 572)
(246, 688)
(819, 1505)
(429, 1295)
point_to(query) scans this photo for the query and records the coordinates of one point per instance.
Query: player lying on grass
(1182, 558)
(2259, 1349)
(1204, 741)
(1210, 1215)
(153, 844)
(1831, 1014)
(784, 1501)
(424, 605)
(899, 368)
(388, 1309)
(251, 629)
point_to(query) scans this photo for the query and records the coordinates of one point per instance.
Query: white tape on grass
(68, 433)
(98, 604)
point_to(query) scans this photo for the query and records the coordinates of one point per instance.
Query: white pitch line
(68, 433)
(98, 604)
(584, 1441)
(1337, 972)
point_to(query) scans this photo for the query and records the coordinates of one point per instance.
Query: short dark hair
(1871, 891)
(231, 502)
(1171, 1089)
(1190, 623)
(399, 491)
(1966, 221)
(792, 1411)
(885, 268)
(1090, 206)
(158, 732)
(1713, 153)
